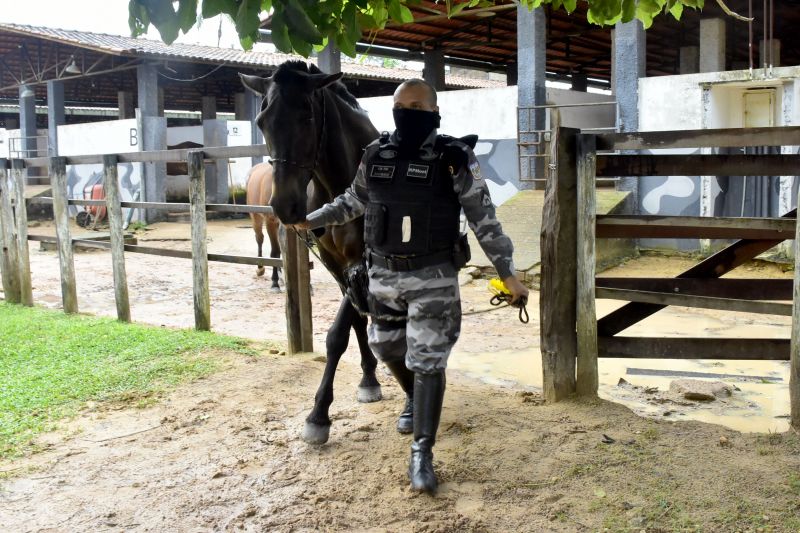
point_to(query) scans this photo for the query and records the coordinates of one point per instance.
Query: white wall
(111, 137)
(239, 135)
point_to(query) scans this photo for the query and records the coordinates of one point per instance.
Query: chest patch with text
(382, 172)
(418, 172)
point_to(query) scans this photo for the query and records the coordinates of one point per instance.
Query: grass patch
(51, 363)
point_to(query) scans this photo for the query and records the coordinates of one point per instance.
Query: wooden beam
(794, 351)
(722, 138)
(745, 289)
(587, 375)
(694, 348)
(197, 199)
(161, 156)
(558, 301)
(116, 237)
(715, 266)
(680, 227)
(701, 302)
(58, 179)
(609, 166)
(8, 238)
(19, 177)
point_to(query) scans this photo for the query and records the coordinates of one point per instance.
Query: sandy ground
(224, 453)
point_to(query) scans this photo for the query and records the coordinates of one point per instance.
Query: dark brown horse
(259, 191)
(316, 133)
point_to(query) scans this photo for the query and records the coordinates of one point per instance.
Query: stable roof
(486, 38)
(35, 54)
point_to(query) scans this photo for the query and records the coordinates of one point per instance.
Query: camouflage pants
(429, 300)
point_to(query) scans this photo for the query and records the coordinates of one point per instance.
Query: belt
(404, 263)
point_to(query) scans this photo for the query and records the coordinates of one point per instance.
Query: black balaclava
(414, 126)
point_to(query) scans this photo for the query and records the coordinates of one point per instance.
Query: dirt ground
(224, 453)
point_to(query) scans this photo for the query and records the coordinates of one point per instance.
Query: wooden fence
(572, 336)
(15, 264)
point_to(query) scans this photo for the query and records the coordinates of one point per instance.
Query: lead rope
(497, 300)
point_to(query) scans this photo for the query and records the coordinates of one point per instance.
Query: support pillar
(209, 108)
(712, 45)
(433, 70)
(628, 65)
(689, 60)
(580, 82)
(160, 106)
(765, 60)
(246, 106)
(329, 59)
(531, 61)
(153, 130)
(511, 74)
(27, 122)
(55, 115)
(125, 105)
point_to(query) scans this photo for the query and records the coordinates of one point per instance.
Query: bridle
(301, 165)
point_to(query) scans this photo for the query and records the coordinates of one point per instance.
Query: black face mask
(414, 126)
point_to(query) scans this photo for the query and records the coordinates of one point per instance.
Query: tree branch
(733, 14)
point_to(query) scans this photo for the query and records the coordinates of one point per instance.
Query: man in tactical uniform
(411, 187)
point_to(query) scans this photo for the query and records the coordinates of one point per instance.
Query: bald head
(415, 94)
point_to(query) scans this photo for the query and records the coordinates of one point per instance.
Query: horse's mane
(287, 73)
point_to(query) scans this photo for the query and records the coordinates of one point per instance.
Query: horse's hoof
(275, 289)
(369, 394)
(260, 271)
(315, 434)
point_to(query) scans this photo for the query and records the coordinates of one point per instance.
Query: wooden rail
(14, 237)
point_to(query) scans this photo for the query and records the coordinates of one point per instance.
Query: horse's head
(292, 121)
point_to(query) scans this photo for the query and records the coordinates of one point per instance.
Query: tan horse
(259, 191)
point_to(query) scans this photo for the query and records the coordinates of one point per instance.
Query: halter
(300, 165)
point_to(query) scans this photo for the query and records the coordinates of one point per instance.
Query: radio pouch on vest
(461, 253)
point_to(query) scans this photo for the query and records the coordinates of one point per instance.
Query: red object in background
(92, 214)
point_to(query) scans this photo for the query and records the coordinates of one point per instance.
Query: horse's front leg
(318, 423)
(369, 390)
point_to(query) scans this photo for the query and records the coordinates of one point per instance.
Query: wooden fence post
(304, 294)
(8, 238)
(557, 294)
(58, 180)
(587, 376)
(197, 210)
(114, 210)
(794, 350)
(19, 177)
(290, 245)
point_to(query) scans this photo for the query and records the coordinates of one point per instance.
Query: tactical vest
(412, 208)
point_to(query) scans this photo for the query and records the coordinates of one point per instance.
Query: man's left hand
(519, 292)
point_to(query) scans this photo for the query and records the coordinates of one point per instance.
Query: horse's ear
(257, 84)
(320, 81)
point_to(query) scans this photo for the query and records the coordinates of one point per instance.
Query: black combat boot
(405, 377)
(428, 396)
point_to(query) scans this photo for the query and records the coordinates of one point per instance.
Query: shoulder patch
(475, 169)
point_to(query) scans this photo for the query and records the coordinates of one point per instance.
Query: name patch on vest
(383, 172)
(419, 172)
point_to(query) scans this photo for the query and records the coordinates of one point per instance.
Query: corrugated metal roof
(140, 47)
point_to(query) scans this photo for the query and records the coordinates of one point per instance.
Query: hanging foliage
(301, 25)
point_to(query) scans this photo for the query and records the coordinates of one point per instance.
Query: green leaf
(138, 20)
(406, 16)
(677, 10)
(187, 15)
(212, 8)
(248, 21)
(628, 10)
(302, 29)
(280, 33)
(570, 5)
(300, 45)
(456, 9)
